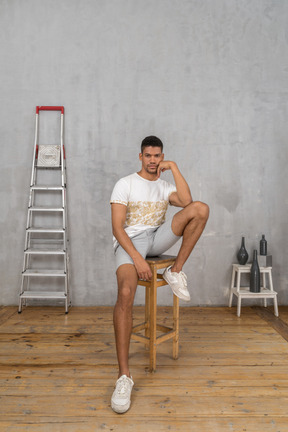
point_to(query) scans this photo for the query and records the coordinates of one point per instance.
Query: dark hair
(152, 141)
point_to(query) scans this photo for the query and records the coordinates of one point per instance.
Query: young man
(138, 204)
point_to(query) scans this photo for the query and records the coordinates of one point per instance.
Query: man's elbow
(187, 201)
(116, 230)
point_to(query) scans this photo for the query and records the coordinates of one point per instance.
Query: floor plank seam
(275, 322)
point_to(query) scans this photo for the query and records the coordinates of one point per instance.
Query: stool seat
(244, 292)
(150, 326)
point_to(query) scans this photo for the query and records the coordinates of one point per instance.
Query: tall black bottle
(255, 274)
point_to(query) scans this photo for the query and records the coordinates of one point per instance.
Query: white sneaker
(121, 398)
(178, 283)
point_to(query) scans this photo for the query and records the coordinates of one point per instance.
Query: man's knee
(201, 209)
(126, 294)
(197, 210)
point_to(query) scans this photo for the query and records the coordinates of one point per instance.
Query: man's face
(151, 157)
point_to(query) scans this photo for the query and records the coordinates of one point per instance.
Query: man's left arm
(182, 197)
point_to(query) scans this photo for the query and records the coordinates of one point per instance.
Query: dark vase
(242, 254)
(263, 245)
(255, 274)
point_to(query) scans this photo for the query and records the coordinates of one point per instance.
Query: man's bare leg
(127, 279)
(189, 223)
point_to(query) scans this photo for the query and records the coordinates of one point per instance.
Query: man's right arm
(118, 220)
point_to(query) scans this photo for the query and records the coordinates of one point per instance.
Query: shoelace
(122, 386)
(183, 277)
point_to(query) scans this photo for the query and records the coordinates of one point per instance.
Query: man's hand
(164, 166)
(143, 269)
(182, 197)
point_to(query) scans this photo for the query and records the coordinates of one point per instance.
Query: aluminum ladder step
(43, 294)
(46, 230)
(46, 209)
(47, 167)
(47, 188)
(47, 251)
(41, 272)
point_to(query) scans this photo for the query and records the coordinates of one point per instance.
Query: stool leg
(264, 286)
(276, 313)
(147, 312)
(176, 326)
(239, 295)
(232, 286)
(153, 310)
(270, 280)
(239, 306)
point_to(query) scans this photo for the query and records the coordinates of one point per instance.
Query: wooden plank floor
(57, 372)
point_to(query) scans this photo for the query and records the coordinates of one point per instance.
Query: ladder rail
(33, 173)
(62, 151)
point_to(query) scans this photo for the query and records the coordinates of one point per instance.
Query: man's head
(151, 154)
(151, 141)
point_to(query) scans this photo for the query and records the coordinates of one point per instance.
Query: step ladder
(46, 260)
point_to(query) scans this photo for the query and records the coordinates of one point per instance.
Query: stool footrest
(163, 328)
(144, 326)
(140, 338)
(139, 327)
(169, 334)
(160, 282)
(165, 337)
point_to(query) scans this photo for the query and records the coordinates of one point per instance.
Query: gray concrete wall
(210, 77)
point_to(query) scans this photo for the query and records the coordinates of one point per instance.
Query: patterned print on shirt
(146, 213)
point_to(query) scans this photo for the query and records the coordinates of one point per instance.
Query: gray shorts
(151, 242)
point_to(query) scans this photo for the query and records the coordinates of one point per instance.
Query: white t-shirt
(147, 202)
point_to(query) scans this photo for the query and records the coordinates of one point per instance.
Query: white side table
(244, 292)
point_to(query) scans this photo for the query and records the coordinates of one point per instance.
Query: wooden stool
(150, 339)
(244, 292)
